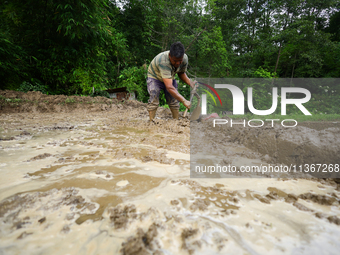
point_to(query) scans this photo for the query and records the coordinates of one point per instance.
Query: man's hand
(187, 104)
(193, 84)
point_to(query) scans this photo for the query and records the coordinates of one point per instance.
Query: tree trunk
(278, 58)
(291, 78)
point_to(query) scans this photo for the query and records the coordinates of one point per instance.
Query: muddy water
(106, 184)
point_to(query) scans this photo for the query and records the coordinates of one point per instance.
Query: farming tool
(197, 111)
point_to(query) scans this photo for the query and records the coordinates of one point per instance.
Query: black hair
(177, 50)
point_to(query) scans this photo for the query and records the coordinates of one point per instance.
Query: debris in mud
(302, 207)
(23, 235)
(7, 139)
(120, 217)
(24, 211)
(320, 215)
(60, 128)
(291, 198)
(137, 153)
(41, 156)
(42, 220)
(70, 216)
(143, 243)
(75, 200)
(65, 229)
(200, 204)
(174, 202)
(25, 133)
(320, 199)
(334, 219)
(262, 199)
(187, 233)
(273, 195)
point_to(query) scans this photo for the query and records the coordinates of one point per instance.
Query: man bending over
(161, 76)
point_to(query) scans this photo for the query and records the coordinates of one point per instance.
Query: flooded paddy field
(99, 179)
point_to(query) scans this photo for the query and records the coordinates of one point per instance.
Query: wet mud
(98, 178)
(298, 145)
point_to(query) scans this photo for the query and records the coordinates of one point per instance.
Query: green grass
(297, 117)
(70, 100)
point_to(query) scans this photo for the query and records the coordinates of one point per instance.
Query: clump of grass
(70, 100)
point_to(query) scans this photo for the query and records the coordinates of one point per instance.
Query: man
(161, 76)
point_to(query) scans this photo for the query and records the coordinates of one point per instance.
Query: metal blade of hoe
(197, 111)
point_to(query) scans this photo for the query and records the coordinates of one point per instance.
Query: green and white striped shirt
(160, 67)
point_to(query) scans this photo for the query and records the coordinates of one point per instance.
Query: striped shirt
(160, 67)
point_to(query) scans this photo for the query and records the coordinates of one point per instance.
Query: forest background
(70, 47)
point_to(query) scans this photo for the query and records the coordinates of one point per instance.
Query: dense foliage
(73, 47)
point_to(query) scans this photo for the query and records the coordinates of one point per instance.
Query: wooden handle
(185, 112)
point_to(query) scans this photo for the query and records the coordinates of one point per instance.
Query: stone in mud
(187, 233)
(25, 133)
(23, 235)
(41, 156)
(7, 139)
(262, 199)
(71, 199)
(20, 224)
(174, 202)
(320, 215)
(302, 207)
(142, 243)
(272, 195)
(197, 243)
(291, 198)
(70, 216)
(216, 190)
(337, 180)
(146, 159)
(65, 229)
(200, 204)
(320, 199)
(91, 207)
(14, 203)
(42, 220)
(334, 219)
(120, 216)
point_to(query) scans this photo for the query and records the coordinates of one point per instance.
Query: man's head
(176, 54)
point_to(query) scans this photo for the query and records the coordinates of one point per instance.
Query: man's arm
(172, 90)
(185, 78)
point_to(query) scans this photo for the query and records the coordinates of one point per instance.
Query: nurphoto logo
(239, 102)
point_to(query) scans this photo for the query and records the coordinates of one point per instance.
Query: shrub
(34, 86)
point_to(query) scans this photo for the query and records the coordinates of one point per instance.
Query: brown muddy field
(82, 175)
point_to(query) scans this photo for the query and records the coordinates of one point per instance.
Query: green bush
(100, 93)
(34, 86)
(134, 79)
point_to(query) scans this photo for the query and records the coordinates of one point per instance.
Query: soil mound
(35, 101)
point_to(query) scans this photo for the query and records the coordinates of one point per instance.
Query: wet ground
(108, 182)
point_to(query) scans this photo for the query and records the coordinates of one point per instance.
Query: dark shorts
(154, 88)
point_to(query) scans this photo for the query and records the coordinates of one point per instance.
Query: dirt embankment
(35, 101)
